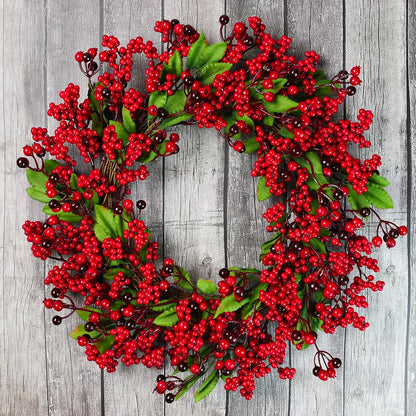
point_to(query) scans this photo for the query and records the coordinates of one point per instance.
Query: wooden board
(201, 204)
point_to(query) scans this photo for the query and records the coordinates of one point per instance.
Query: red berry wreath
(315, 266)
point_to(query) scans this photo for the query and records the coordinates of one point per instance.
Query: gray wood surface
(202, 205)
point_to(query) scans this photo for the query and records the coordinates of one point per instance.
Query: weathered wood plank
(410, 376)
(74, 383)
(193, 192)
(245, 225)
(126, 20)
(22, 342)
(313, 25)
(375, 361)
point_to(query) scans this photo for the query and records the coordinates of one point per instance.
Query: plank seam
(409, 207)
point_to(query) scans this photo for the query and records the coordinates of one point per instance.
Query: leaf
(318, 245)
(128, 122)
(185, 281)
(357, 201)
(286, 133)
(378, 197)
(266, 246)
(175, 102)
(281, 104)
(314, 160)
(105, 344)
(268, 120)
(97, 125)
(167, 318)
(121, 131)
(64, 216)
(195, 51)
(250, 270)
(188, 385)
(263, 191)
(206, 286)
(79, 331)
(108, 224)
(315, 186)
(171, 121)
(37, 179)
(109, 274)
(248, 309)
(85, 314)
(94, 104)
(50, 165)
(212, 54)
(210, 71)
(378, 180)
(160, 308)
(174, 66)
(38, 194)
(230, 304)
(158, 98)
(208, 386)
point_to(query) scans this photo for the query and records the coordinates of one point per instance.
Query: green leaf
(281, 104)
(79, 331)
(108, 224)
(315, 186)
(94, 104)
(378, 180)
(97, 125)
(161, 308)
(85, 314)
(185, 281)
(250, 270)
(230, 304)
(167, 318)
(173, 67)
(109, 274)
(128, 122)
(263, 191)
(158, 98)
(147, 157)
(357, 201)
(50, 165)
(121, 131)
(208, 386)
(268, 120)
(318, 245)
(210, 71)
(173, 120)
(188, 385)
(286, 133)
(378, 197)
(248, 309)
(206, 286)
(105, 344)
(313, 159)
(64, 216)
(212, 54)
(38, 194)
(266, 246)
(37, 179)
(175, 102)
(195, 51)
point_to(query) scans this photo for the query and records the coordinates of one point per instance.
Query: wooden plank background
(202, 205)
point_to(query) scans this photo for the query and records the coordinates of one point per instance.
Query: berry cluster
(139, 309)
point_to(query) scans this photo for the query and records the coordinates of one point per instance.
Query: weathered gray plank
(410, 376)
(313, 25)
(127, 20)
(22, 343)
(74, 383)
(375, 361)
(194, 196)
(246, 226)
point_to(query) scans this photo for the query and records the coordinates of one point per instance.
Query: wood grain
(74, 385)
(201, 204)
(375, 39)
(317, 28)
(135, 384)
(23, 378)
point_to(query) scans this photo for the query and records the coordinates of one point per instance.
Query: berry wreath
(315, 266)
